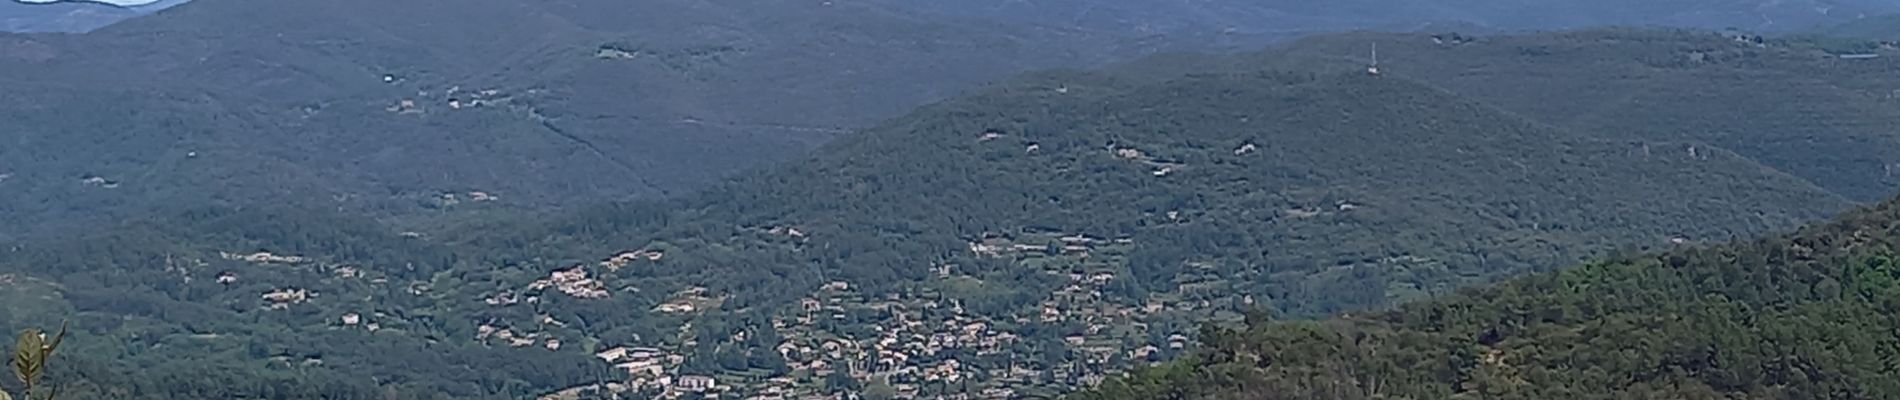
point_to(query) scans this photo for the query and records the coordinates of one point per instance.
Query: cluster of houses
(918, 345)
(490, 334)
(649, 368)
(98, 181)
(455, 98)
(575, 282)
(651, 373)
(1160, 167)
(263, 257)
(999, 246)
(927, 341)
(690, 300)
(281, 299)
(921, 342)
(626, 258)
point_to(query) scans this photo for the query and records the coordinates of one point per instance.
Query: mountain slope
(1885, 27)
(194, 306)
(381, 107)
(1295, 16)
(1255, 16)
(1066, 203)
(1826, 120)
(1311, 155)
(1803, 315)
(566, 103)
(1041, 212)
(1250, 16)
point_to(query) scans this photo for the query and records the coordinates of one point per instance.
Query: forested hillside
(1091, 221)
(1217, 155)
(1255, 16)
(1388, 15)
(1885, 27)
(1793, 105)
(1809, 315)
(1021, 240)
(402, 108)
(196, 306)
(414, 107)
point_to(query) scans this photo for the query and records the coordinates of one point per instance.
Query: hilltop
(1088, 219)
(1826, 120)
(1801, 315)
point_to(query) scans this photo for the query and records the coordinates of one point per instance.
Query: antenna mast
(1374, 68)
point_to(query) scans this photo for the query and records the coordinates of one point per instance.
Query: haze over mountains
(1877, 28)
(1828, 120)
(592, 198)
(557, 104)
(548, 103)
(1083, 217)
(1255, 16)
(1295, 16)
(1088, 172)
(73, 16)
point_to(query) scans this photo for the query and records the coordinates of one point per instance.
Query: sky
(121, 3)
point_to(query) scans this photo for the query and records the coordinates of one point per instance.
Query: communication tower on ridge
(1374, 68)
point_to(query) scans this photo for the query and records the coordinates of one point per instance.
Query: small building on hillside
(696, 383)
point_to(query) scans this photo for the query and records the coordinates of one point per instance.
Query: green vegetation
(31, 355)
(1826, 122)
(1026, 240)
(160, 313)
(384, 109)
(1807, 315)
(1884, 28)
(1023, 240)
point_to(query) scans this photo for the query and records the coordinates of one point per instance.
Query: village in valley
(1063, 312)
(925, 339)
(841, 342)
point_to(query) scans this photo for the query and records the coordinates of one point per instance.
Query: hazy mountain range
(567, 199)
(1142, 18)
(73, 16)
(1081, 217)
(568, 102)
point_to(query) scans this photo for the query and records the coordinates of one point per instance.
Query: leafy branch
(30, 356)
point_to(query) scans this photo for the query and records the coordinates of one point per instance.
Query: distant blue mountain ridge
(1285, 16)
(112, 3)
(1234, 16)
(73, 15)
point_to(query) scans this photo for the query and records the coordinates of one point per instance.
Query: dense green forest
(1280, 167)
(1882, 27)
(569, 103)
(1808, 315)
(1033, 237)
(1474, 16)
(159, 313)
(1089, 220)
(389, 109)
(1827, 122)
